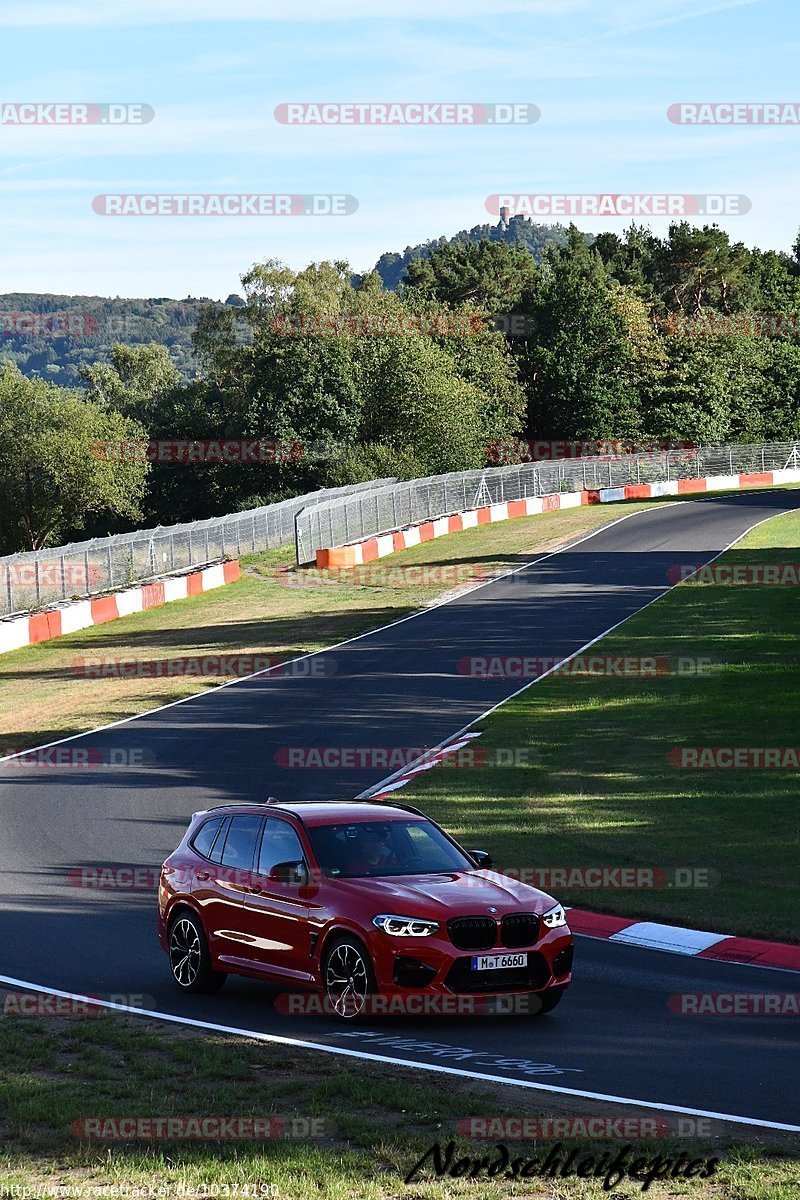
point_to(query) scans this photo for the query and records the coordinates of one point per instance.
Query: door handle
(255, 889)
(203, 875)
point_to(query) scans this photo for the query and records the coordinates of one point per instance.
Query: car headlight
(555, 917)
(405, 926)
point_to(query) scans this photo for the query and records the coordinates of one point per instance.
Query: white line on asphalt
(278, 1039)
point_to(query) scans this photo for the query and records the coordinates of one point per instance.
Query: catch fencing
(43, 577)
(388, 506)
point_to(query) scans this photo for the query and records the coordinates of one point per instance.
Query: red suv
(365, 904)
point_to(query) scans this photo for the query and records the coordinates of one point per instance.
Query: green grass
(378, 1122)
(599, 789)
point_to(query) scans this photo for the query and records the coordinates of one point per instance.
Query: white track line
(279, 1040)
(389, 778)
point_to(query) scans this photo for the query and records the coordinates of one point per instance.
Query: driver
(373, 851)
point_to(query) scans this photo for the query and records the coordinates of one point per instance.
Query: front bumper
(407, 965)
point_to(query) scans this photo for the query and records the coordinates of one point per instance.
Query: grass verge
(371, 1124)
(598, 787)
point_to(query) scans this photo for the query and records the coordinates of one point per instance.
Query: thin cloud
(97, 13)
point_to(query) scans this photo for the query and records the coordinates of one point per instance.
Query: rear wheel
(348, 978)
(189, 956)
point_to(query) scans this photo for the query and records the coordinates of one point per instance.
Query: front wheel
(348, 978)
(189, 956)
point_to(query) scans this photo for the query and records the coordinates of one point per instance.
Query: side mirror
(482, 858)
(290, 872)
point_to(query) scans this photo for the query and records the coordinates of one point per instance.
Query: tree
(699, 268)
(581, 367)
(135, 381)
(53, 472)
(346, 363)
(487, 275)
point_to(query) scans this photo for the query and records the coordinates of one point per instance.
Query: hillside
(52, 337)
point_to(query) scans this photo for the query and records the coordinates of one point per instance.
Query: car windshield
(385, 848)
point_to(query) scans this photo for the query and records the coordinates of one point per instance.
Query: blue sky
(603, 73)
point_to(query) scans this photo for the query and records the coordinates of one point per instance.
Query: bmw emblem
(492, 910)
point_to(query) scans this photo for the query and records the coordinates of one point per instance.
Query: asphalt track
(613, 1035)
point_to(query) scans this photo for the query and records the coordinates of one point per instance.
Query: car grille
(472, 933)
(519, 929)
(461, 977)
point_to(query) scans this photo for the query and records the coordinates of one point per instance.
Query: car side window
(203, 840)
(240, 844)
(280, 844)
(216, 851)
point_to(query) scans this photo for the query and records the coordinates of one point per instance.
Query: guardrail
(384, 508)
(38, 578)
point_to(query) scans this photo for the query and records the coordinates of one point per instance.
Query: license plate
(498, 962)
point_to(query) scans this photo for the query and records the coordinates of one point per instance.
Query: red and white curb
(694, 943)
(32, 628)
(355, 554)
(650, 935)
(406, 774)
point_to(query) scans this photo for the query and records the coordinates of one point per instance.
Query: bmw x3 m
(356, 902)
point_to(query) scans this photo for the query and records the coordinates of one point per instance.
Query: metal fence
(384, 507)
(34, 580)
